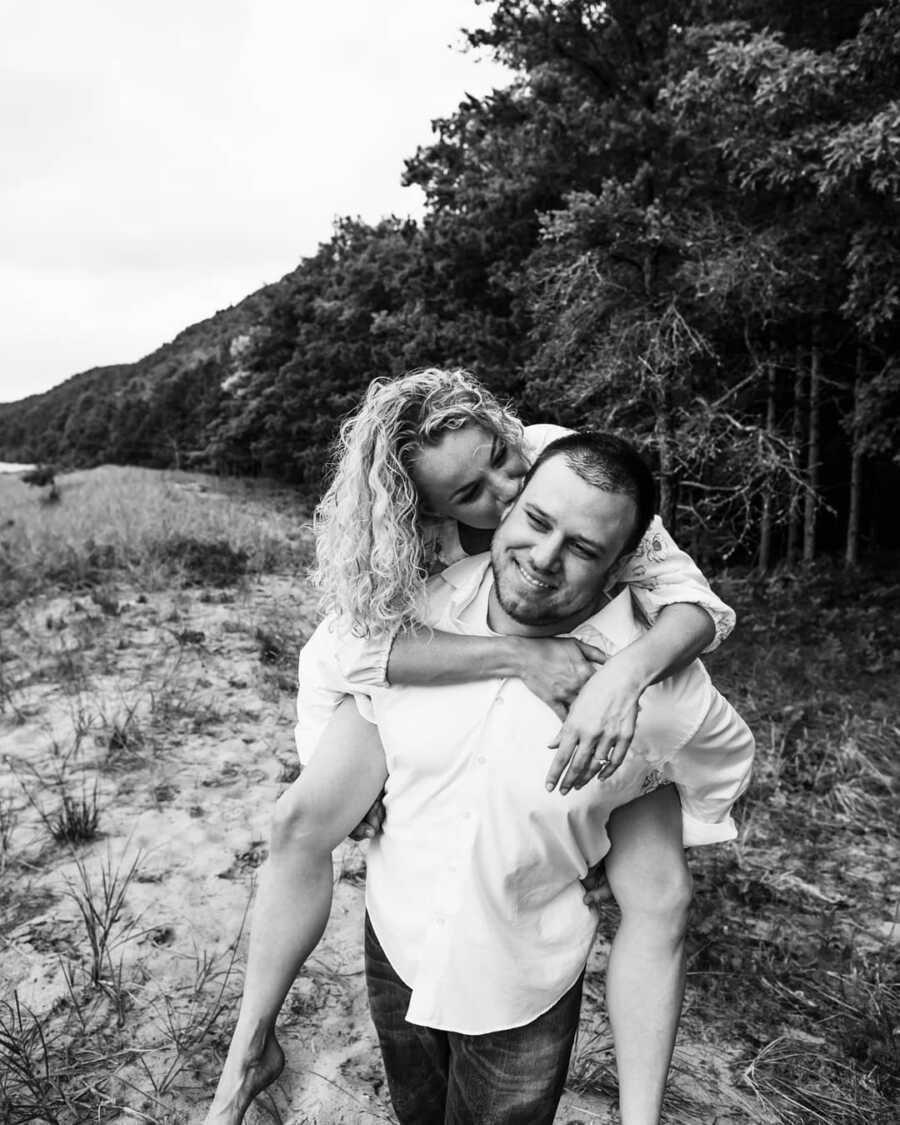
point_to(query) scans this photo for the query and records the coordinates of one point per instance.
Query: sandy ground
(163, 699)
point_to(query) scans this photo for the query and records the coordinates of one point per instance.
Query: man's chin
(525, 610)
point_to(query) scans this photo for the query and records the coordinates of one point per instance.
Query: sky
(163, 160)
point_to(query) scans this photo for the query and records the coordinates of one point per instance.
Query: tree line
(679, 221)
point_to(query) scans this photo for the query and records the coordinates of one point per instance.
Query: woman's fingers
(605, 761)
(619, 750)
(580, 757)
(578, 772)
(565, 744)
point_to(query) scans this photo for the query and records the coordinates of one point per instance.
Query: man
(477, 933)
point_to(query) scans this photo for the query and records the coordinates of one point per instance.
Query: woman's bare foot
(244, 1075)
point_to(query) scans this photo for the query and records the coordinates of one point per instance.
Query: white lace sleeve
(659, 573)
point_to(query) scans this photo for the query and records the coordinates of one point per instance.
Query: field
(149, 626)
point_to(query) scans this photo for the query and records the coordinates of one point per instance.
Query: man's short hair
(611, 464)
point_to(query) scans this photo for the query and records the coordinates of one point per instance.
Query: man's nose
(545, 554)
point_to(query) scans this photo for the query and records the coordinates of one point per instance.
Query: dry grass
(152, 528)
(106, 679)
(793, 1002)
(792, 952)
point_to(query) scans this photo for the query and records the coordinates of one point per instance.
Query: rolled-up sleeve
(321, 687)
(659, 573)
(711, 771)
(363, 661)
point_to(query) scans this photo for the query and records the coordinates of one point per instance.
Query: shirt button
(482, 760)
(467, 815)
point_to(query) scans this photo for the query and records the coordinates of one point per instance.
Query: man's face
(552, 553)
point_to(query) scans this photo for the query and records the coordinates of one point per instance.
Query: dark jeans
(513, 1077)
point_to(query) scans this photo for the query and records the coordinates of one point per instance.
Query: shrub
(205, 563)
(77, 818)
(40, 476)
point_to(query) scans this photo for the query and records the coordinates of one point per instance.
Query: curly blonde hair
(370, 559)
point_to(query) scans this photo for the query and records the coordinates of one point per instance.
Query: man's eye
(536, 521)
(468, 497)
(584, 552)
(501, 449)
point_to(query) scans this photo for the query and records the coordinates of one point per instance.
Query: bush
(42, 475)
(213, 563)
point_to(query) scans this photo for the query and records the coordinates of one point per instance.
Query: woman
(425, 469)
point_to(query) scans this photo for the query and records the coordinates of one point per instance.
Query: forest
(679, 222)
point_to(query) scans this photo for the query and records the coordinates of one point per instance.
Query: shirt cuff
(697, 833)
(653, 603)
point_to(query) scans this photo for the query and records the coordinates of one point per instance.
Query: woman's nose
(505, 487)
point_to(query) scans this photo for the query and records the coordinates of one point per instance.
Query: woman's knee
(294, 822)
(660, 890)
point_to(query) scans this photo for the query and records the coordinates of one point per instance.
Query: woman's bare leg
(293, 900)
(651, 882)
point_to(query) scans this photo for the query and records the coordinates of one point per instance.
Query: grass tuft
(29, 1087)
(77, 818)
(100, 904)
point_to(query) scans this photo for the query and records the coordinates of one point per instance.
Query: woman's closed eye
(470, 494)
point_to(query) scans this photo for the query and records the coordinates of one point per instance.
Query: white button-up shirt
(473, 885)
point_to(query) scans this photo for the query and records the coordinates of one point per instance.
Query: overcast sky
(162, 160)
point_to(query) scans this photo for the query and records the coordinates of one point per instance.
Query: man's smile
(530, 580)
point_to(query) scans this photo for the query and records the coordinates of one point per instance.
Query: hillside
(677, 228)
(112, 413)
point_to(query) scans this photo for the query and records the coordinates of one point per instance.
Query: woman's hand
(599, 727)
(557, 668)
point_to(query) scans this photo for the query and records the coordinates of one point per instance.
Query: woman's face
(470, 475)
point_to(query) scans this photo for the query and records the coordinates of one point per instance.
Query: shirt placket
(443, 934)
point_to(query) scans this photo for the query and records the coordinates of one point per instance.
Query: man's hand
(371, 823)
(557, 668)
(596, 888)
(599, 727)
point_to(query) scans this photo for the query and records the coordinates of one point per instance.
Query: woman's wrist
(633, 663)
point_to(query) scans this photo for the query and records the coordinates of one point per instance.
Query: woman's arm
(554, 668)
(658, 574)
(687, 618)
(599, 727)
